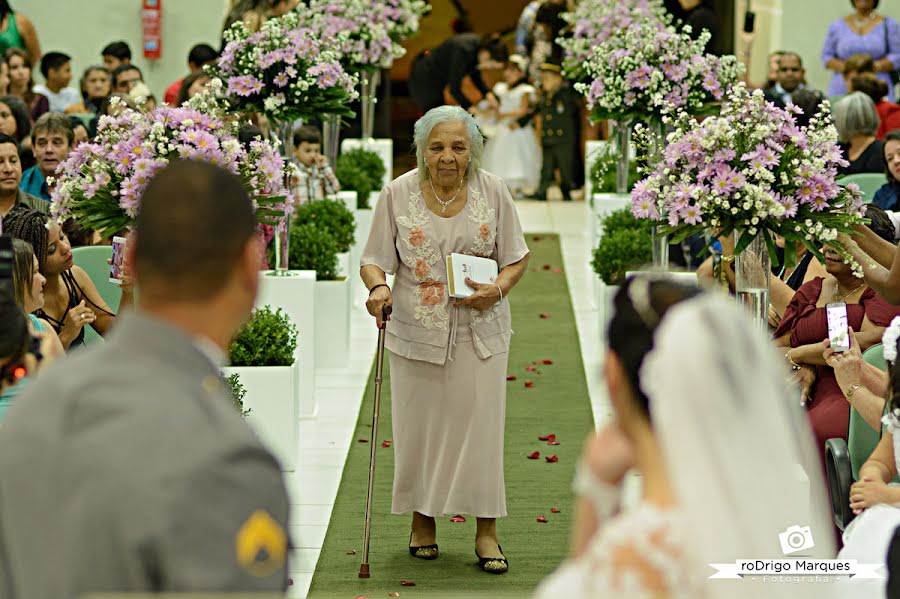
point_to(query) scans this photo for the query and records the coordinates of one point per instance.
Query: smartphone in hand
(749, 22)
(838, 328)
(118, 260)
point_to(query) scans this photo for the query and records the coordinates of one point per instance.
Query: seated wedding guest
(115, 54)
(316, 180)
(809, 101)
(888, 112)
(71, 300)
(873, 498)
(856, 65)
(96, 85)
(79, 235)
(11, 194)
(682, 426)
(28, 293)
(804, 326)
(888, 197)
(56, 68)
(787, 280)
(4, 76)
(191, 85)
(856, 121)
(126, 76)
(22, 85)
(199, 56)
(22, 352)
(16, 122)
(112, 105)
(789, 78)
(140, 433)
(51, 140)
(446, 464)
(79, 131)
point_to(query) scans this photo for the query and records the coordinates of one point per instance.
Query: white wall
(81, 28)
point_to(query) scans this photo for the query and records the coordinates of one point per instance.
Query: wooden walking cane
(379, 363)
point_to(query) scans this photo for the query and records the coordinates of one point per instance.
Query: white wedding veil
(738, 448)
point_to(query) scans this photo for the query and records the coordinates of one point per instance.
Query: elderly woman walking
(447, 357)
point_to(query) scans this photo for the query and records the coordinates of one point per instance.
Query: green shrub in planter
(625, 245)
(237, 393)
(332, 216)
(268, 339)
(361, 171)
(313, 248)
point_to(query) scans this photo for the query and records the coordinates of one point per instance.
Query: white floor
(324, 442)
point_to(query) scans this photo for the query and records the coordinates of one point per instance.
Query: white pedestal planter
(348, 198)
(271, 398)
(363, 225)
(383, 147)
(343, 270)
(332, 323)
(296, 295)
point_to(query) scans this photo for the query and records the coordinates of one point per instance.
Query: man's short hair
(6, 139)
(194, 224)
(202, 54)
(124, 68)
(53, 60)
(119, 50)
(308, 134)
(53, 122)
(784, 55)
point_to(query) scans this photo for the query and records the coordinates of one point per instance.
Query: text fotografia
(796, 567)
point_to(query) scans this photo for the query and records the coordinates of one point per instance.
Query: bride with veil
(727, 460)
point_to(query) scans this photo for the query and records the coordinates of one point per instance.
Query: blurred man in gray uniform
(126, 468)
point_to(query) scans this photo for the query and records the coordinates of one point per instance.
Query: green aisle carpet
(557, 403)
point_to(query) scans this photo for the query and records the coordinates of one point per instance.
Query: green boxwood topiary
(361, 171)
(332, 216)
(313, 248)
(624, 245)
(268, 339)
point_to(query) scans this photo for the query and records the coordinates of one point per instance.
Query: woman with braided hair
(71, 300)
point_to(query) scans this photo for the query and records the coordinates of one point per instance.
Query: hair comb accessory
(889, 340)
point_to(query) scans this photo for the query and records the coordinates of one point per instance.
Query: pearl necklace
(445, 203)
(861, 23)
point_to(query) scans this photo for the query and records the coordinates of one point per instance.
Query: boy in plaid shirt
(316, 180)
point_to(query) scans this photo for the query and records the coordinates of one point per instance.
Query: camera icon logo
(796, 538)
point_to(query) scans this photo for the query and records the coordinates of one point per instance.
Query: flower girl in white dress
(701, 411)
(512, 152)
(874, 499)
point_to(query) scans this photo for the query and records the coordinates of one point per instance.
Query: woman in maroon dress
(803, 332)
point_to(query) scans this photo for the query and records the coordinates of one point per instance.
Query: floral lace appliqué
(485, 219)
(431, 310)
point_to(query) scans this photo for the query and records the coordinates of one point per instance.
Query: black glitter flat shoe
(428, 552)
(493, 565)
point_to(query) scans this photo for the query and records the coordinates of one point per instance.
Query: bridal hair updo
(640, 305)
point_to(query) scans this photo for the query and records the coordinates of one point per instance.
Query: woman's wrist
(376, 286)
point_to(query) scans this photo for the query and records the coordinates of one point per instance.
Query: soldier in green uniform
(559, 109)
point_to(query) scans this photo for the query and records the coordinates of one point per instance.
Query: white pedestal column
(332, 323)
(296, 295)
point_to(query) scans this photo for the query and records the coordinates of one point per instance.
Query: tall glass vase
(752, 267)
(656, 140)
(282, 238)
(368, 97)
(331, 137)
(623, 154)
